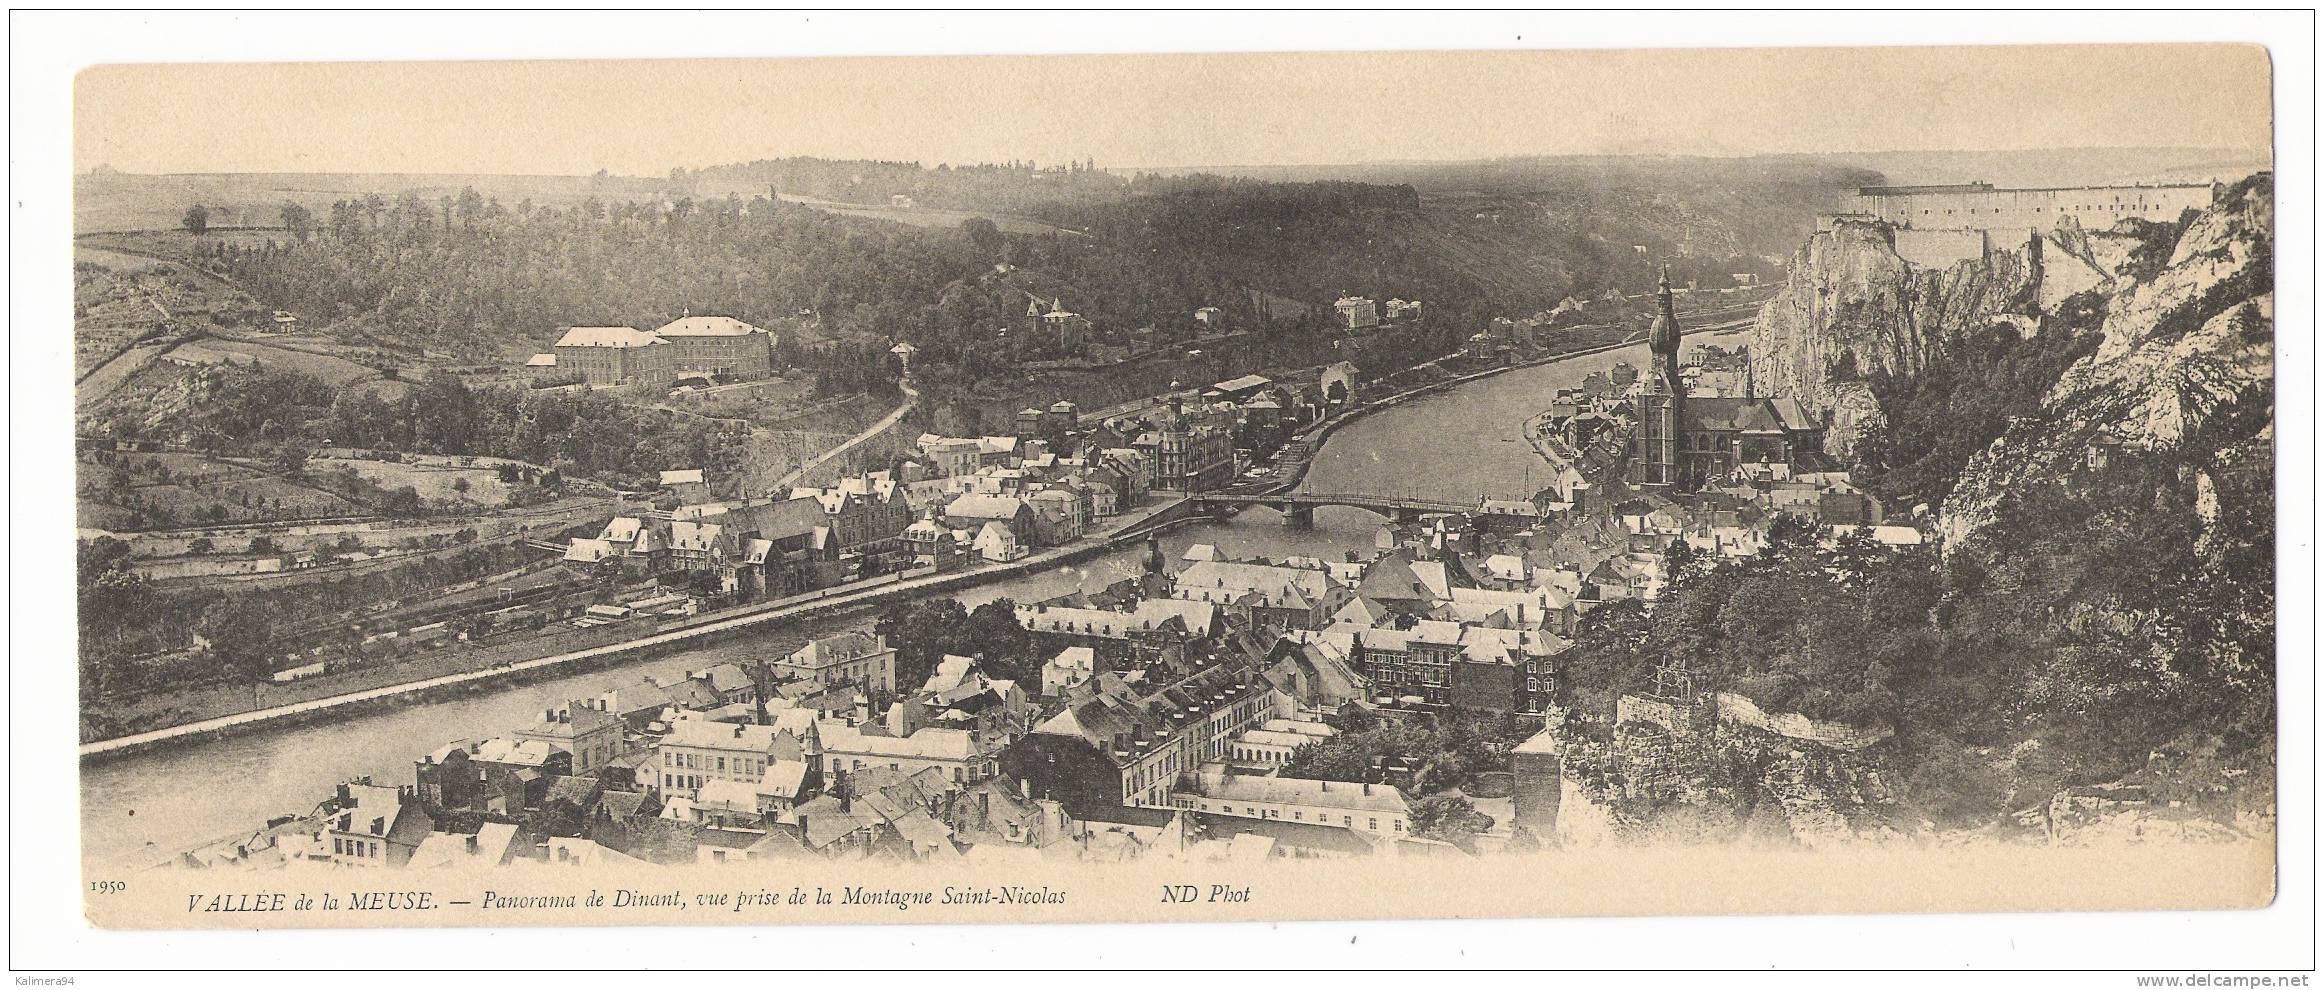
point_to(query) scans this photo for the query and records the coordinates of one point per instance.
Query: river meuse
(1459, 444)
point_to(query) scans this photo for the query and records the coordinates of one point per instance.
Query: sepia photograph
(1218, 486)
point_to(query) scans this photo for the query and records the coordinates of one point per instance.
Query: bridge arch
(1298, 508)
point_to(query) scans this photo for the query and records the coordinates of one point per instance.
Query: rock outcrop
(1852, 307)
(2180, 347)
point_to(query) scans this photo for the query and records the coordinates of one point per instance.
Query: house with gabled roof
(1117, 744)
(854, 658)
(374, 826)
(1263, 595)
(1155, 631)
(697, 751)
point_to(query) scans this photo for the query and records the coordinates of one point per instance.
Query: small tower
(1155, 582)
(1674, 680)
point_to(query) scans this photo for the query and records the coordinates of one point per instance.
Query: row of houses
(757, 548)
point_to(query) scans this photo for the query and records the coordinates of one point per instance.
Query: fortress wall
(1739, 710)
(2095, 207)
(1676, 720)
(1939, 248)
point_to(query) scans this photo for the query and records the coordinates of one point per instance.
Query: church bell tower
(1664, 397)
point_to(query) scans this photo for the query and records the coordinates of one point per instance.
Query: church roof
(1731, 415)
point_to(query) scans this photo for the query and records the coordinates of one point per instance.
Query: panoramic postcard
(1186, 488)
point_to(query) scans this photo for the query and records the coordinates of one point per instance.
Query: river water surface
(1460, 444)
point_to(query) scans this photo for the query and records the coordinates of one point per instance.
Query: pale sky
(644, 117)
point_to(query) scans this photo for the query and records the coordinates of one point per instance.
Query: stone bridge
(1298, 508)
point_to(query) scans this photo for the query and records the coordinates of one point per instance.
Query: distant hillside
(2039, 167)
(2057, 167)
(110, 201)
(1751, 206)
(1764, 199)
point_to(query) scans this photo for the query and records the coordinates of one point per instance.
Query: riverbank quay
(1546, 444)
(692, 633)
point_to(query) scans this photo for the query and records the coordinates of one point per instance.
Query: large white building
(698, 751)
(1372, 809)
(851, 658)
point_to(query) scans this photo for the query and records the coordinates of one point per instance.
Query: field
(119, 297)
(143, 491)
(482, 489)
(286, 354)
(760, 402)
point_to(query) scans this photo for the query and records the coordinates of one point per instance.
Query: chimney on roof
(1367, 789)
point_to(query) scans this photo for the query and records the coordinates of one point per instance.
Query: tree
(197, 219)
(994, 633)
(921, 633)
(297, 219)
(403, 501)
(110, 591)
(240, 633)
(1449, 818)
(985, 234)
(199, 545)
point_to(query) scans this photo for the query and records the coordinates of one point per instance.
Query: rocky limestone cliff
(1853, 307)
(2182, 346)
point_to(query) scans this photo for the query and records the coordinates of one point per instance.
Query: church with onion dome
(1681, 442)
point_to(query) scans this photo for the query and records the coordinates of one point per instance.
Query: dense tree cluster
(1446, 749)
(2093, 623)
(471, 275)
(1449, 818)
(123, 616)
(923, 633)
(1798, 628)
(281, 414)
(1950, 410)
